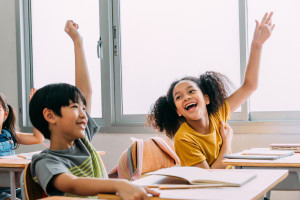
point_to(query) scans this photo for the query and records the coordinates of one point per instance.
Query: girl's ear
(49, 116)
(207, 100)
(179, 114)
(6, 115)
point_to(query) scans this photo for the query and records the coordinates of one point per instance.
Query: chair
(30, 189)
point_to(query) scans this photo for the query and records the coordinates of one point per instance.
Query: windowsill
(239, 127)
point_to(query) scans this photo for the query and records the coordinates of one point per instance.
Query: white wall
(113, 144)
(8, 62)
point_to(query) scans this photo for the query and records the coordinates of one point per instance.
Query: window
(52, 50)
(147, 44)
(171, 39)
(277, 96)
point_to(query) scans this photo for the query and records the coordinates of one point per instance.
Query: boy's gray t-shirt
(81, 160)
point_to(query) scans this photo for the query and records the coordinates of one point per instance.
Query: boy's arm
(92, 186)
(262, 32)
(82, 78)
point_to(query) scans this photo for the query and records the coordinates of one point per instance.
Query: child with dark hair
(71, 166)
(10, 138)
(195, 110)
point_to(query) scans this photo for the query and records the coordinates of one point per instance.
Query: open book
(260, 154)
(207, 178)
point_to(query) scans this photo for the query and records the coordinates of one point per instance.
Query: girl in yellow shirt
(195, 110)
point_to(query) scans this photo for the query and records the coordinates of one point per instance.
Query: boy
(71, 165)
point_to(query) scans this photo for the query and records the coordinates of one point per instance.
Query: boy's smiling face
(72, 122)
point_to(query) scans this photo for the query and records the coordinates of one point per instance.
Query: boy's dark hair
(53, 97)
(163, 115)
(10, 121)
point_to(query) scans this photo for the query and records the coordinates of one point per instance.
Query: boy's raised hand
(71, 28)
(82, 78)
(263, 29)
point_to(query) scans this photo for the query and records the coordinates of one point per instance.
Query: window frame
(25, 65)
(139, 118)
(113, 121)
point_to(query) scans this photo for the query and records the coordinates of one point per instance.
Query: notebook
(195, 176)
(260, 154)
(293, 147)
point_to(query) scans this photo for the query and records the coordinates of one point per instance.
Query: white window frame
(125, 119)
(111, 73)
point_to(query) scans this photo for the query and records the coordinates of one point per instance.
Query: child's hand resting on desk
(128, 191)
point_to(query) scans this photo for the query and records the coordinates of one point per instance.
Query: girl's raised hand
(71, 28)
(263, 29)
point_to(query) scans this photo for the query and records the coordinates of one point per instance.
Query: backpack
(144, 156)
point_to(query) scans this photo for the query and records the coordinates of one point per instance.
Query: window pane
(279, 74)
(164, 40)
(53, 51)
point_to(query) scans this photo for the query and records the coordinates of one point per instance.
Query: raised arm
(28, 138)
(82, 78)
(262, 32)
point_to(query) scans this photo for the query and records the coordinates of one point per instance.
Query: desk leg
(238, 167)
(13, 185)
(268, 196)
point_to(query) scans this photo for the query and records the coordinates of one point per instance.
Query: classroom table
(10, 173)
(290, 163)
(254, 189)
(63, 198)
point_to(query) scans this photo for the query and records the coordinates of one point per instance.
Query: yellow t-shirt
(193, 147)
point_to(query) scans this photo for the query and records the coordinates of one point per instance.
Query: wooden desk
(63, 198)
(255, 189)
(291, 163)
(10, 173)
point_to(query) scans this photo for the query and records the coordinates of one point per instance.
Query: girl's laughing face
(189, 100)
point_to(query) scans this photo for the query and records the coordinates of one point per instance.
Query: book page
(187, 173)
(196, 175)
(170, 182)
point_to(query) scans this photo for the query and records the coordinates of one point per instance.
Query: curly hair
(10, 121)
(217, 86)
(163, 115)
